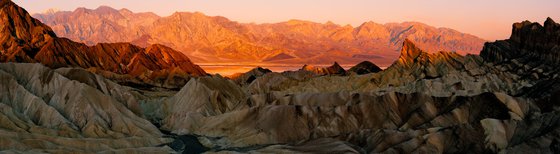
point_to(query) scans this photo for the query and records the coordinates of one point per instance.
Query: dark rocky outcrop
(528, 40)
(532, 53)
(365, 67)
(250, 76)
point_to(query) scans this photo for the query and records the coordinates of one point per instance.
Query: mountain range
(60, 96)
(25, 39)
(208, 39)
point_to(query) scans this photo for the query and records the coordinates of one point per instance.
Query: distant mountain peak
(51, 11)
(330, 23)
(550, 23)
(125, 11)
(81, 10)
(297, 22)
(369, 23)
(105, 9)
(187, 14)
(372, 30)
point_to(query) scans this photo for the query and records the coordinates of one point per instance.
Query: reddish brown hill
(217, 39)
(25, 39)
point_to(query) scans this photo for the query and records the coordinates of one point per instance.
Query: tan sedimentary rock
(43, 110)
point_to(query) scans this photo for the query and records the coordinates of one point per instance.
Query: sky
(488, 19)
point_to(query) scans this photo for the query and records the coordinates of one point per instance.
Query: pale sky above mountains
(488, 19)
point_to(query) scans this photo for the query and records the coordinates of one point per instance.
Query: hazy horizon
(490, 20)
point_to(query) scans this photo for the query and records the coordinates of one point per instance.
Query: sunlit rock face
(217, 39)
(504, 101)
(334, 69)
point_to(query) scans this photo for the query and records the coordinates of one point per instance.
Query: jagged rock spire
(550, 25)
(409, 52)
